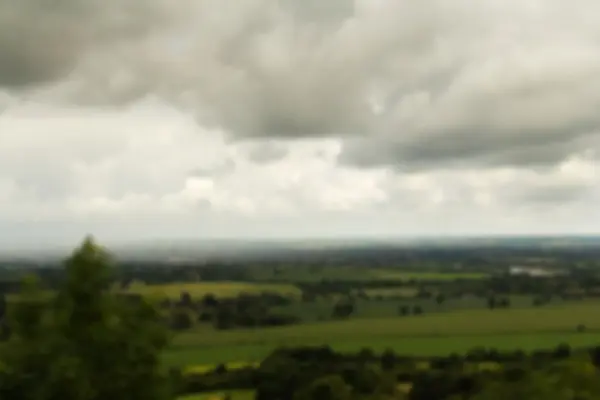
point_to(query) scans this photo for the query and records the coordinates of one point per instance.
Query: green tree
(86, 343)
(561, 381)
(330, 387)
(388, 360)
(440, 299)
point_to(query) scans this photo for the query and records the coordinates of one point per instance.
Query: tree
(343, 309)
(327, 388)
(2, 306)
(209, 300)
(404, 310)
(86, 343)
(185, 299)
(563, 350)
(4, 328)
(595, 356)
(181, 320)
(504, 303)
(439, 299)
(417, 310)
(224, 318)
(388, 360)
(566, 381)
(365, 355)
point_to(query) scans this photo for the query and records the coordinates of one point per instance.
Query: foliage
(86, 343)
(564, 383)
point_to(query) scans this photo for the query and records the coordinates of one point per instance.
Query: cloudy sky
(136, 119)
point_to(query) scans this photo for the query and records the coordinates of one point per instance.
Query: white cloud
(298, 117)
(131, 174)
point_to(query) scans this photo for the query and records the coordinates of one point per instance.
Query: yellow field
(235, 395)
(392, 292)
(199, 289)
(204, 368)
(219, 289)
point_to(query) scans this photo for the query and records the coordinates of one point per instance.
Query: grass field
(387, 306)
(427, 276)
(420, 346)
(357, 274)
(442, 333)
(392, 292)
(219, 289)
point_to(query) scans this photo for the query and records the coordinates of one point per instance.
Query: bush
(388, 359)
(181, 320)
(562, 351)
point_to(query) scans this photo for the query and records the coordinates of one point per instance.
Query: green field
(316, 274)
(427, 276)
(387, 306)
(442, 333)
(219, 289)
(408, 292)
(420, 346)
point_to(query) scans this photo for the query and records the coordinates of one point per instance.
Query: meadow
(429, 334)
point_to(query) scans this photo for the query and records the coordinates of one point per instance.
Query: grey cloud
(408, 84)
(510, 117)
(327, 14)
(257, 71)
(550, 194)
(42, 42)
(464, 150)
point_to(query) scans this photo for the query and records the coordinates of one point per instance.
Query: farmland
(357, 274)
(207, 358)
(238, 331)
(426, 276)
(433, 334)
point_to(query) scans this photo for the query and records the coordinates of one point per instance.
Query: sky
(145, 119)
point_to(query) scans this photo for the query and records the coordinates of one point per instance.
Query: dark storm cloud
(42, 41)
